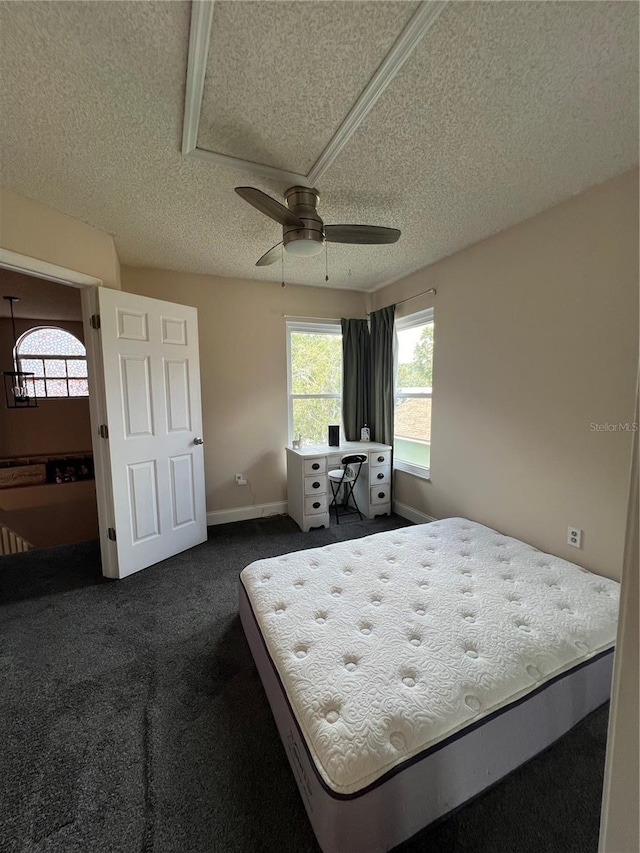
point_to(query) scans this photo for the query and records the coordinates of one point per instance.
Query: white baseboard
(245, 513)
(411, 514)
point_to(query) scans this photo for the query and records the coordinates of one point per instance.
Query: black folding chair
(343, 480)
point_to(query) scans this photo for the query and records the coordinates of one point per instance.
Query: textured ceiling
(281, 104)
(39, 299)
(502, 110)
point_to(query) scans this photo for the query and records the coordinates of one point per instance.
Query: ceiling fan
(303, 232)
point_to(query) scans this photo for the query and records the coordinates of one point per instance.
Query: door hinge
(95, 321)
(104, 431)
(111, 533)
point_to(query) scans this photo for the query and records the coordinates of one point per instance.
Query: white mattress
(387, 645)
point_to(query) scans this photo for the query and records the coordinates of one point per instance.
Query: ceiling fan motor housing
(309, 240)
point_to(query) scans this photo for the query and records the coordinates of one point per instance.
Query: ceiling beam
(421, 21)
(199, 38)
(260, 170)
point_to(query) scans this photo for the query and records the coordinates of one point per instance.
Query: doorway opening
(47, 485)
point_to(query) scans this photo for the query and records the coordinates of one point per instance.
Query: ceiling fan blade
(274, 254)
(269, 206)
(360, 234)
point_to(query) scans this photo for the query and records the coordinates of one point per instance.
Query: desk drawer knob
(315, 466)
(381, 476)
(316, 485)
(380, 458)
(316, 504)
(381, 494)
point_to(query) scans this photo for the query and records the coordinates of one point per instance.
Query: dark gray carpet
(133, 719)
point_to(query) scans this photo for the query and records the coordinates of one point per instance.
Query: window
(58, 360)
(414, 370)
(314, 358)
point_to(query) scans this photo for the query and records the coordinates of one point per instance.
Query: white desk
(308, 491)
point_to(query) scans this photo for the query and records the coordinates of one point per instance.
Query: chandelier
(19, 385)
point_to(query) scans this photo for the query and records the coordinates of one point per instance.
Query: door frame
(88, 285)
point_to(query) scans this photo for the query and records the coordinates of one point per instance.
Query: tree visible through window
(414, 380)
(315, 380)
(58, 360)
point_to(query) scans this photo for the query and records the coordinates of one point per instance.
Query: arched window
(58, 360)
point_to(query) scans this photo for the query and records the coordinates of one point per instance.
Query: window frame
(323, 327)
(20, 357)
(410, 321)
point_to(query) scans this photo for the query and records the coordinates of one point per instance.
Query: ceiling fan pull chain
(326, 262)
(282, 267)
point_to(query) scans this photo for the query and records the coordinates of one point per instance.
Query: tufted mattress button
(472, 702)
(397, 741)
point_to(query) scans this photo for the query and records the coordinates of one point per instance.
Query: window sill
(415, 470)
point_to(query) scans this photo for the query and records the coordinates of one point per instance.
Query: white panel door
(151, 372)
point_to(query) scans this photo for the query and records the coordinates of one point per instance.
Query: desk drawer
(380, 494)
(380, 475)
(315, 466)
(315, 485)
(379, 457)
(315, 504)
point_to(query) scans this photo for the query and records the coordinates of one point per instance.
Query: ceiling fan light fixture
(304, 248)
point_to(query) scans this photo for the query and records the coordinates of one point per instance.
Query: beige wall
(243, 372)
(30, 228)
(536, 337)
(56, 426)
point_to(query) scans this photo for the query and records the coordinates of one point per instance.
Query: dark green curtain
(381, 398)
(355, 377)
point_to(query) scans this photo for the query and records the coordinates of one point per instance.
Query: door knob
(198, 440)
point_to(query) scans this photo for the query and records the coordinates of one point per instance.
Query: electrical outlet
(574, 537)
(240, 480)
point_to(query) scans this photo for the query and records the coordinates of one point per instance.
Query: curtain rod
(415, 296)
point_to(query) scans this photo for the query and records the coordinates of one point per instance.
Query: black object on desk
(334, 436)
